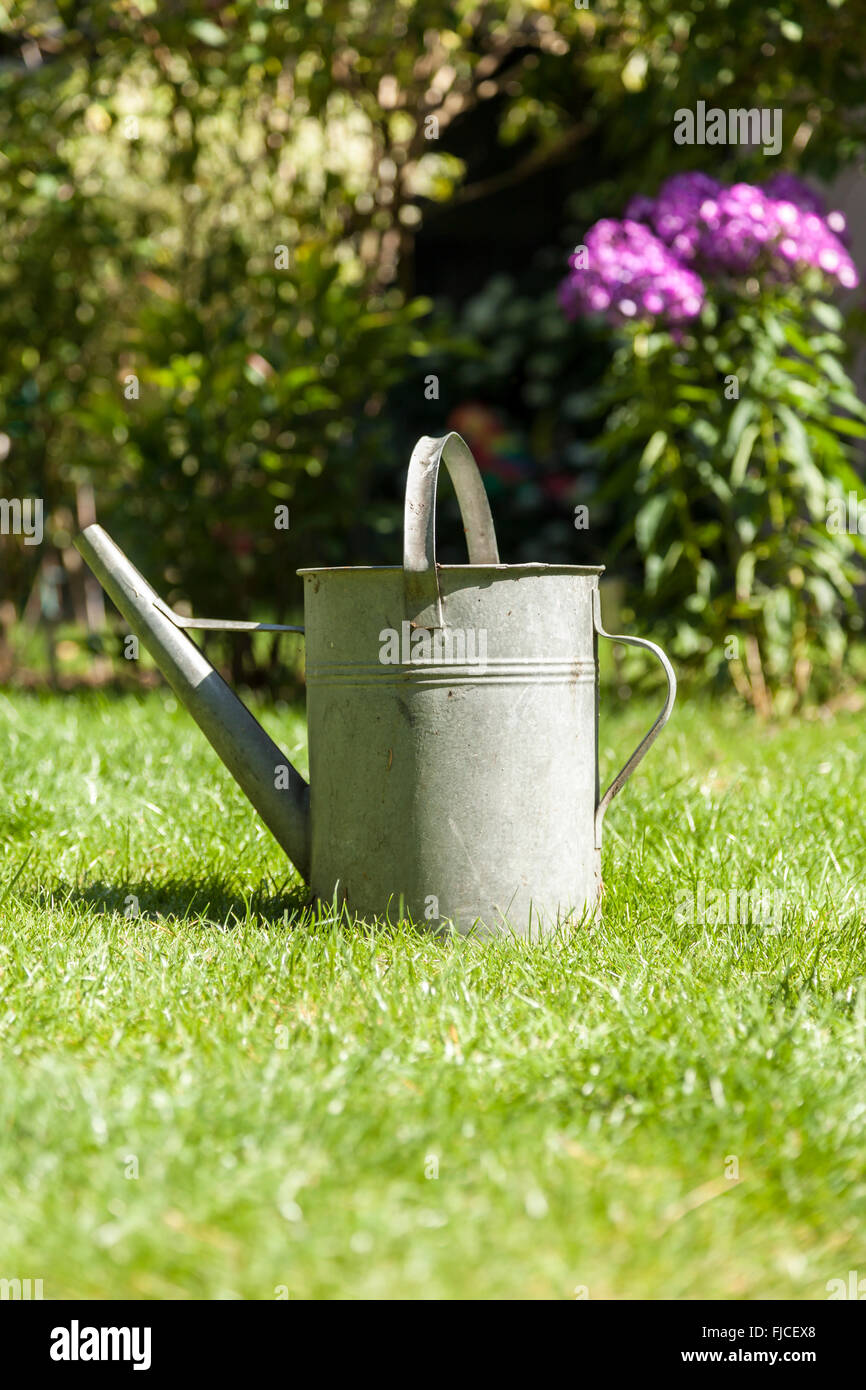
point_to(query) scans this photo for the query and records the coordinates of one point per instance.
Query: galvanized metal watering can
(453, 722)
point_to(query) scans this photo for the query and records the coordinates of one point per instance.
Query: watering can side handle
(646, 742)
(423, 599)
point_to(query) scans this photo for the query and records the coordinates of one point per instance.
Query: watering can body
(463, 790)
(453, 724)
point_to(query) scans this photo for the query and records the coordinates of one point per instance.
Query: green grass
(286, 1087)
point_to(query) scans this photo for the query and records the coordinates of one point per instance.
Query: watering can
(453, 722)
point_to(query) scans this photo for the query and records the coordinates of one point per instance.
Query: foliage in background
(186, 324)
(222, 206)
(731, 425)
(511, 380)
(153, 157)
(728, 502)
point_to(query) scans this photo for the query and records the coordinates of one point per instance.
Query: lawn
(224, 1097)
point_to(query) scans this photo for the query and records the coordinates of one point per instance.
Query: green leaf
(832, 367)
(208, 32)
(743, 453)
(827, 314)
(654, 449)
(742, 413)
(846, 426)
(790, 30)
(797, 339)
(745, 574)
(825, 595)
(713, 480)
(697, 393)
(648, 520)
(796, 444)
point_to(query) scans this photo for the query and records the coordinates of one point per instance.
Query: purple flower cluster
(734, 230)
(674, 214)
(629, 274)
(808, 239)
(651, 264)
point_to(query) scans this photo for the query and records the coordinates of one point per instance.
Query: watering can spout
(277, 791)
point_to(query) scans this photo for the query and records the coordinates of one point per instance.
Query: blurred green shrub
(221, 201)
(728, 458)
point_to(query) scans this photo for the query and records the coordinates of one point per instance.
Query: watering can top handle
(421, 581)
(649, 738)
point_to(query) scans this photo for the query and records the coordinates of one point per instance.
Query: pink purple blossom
(674, 213)
(655, 262)
(629, 274)
(781, 228)
(734, 230)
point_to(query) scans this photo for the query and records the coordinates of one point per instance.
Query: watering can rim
(448, 569)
